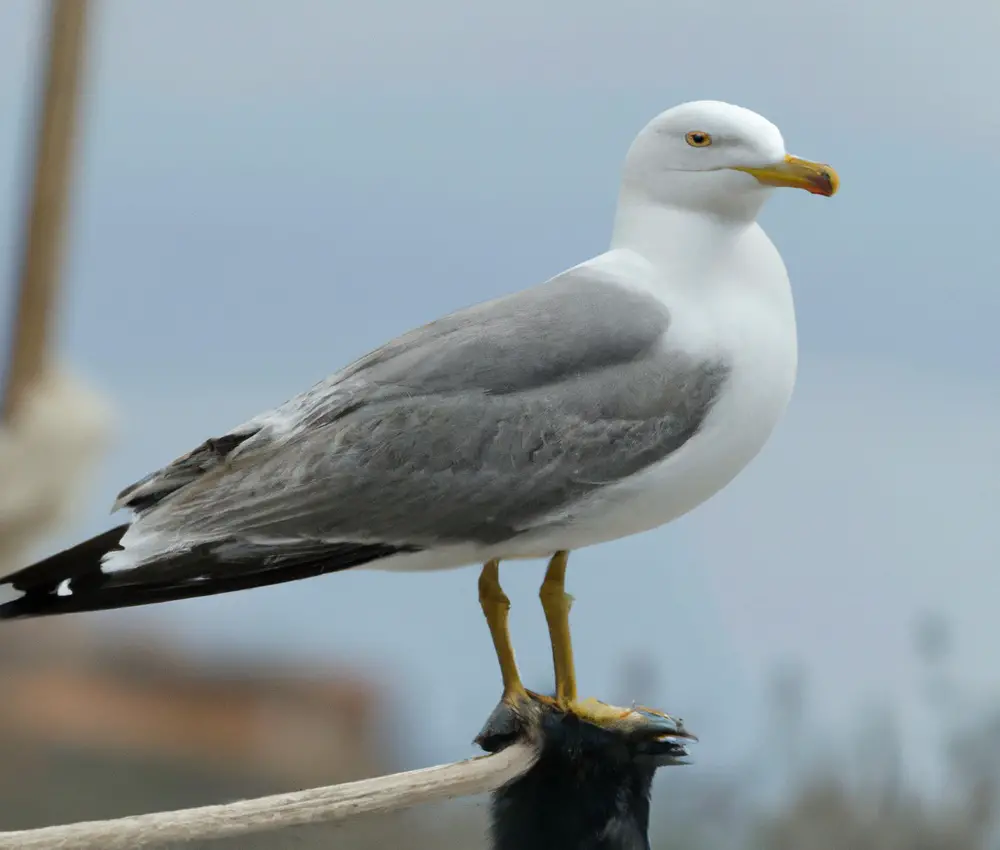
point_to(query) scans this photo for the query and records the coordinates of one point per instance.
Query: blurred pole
(42, 245)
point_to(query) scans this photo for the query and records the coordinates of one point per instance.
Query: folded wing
(476, 428)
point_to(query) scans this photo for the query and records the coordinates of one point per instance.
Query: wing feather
(473, 428)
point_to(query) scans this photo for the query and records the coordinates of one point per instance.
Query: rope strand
(332, 804)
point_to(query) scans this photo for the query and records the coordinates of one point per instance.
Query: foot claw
(509, 721)
(637, 721)
(649, 732)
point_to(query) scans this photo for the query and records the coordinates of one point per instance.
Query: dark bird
(590, 787)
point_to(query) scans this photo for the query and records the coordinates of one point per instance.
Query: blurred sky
(269, 190)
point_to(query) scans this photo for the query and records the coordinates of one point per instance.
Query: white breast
(747, 318)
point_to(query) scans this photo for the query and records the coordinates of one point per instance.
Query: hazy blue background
(271, 189)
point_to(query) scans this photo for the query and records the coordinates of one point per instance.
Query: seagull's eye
(698, 139)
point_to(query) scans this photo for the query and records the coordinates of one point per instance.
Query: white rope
(333, 804)
(48, 452)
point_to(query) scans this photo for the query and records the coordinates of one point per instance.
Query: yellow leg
(556, 603)
(496, 607)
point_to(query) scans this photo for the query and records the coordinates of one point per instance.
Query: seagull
(605, 402)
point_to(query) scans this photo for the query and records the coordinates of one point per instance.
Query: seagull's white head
(717, 158)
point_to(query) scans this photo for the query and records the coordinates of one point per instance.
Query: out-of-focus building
(95, 725)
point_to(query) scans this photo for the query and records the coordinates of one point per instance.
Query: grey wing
(473, 428)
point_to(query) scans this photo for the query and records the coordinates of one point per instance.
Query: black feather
(588, 790)
(204, 570)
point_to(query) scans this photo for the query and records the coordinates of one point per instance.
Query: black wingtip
(39, 583)
(72, 581)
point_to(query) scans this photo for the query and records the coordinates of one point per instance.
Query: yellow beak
(796, 173)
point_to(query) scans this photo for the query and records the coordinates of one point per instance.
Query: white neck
(686, 241)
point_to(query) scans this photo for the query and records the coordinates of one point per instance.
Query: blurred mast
(42, 244)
